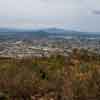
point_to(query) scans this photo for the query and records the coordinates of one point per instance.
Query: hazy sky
(81, 15)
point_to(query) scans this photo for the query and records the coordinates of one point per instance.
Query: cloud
(96, 12)
(39, 11)
(74, 14)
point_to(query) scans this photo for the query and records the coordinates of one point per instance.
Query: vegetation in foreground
(82, 81)
(31, 78)
(76, 77)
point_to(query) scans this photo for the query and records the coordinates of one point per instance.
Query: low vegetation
(30, 78)
(76, 77)
(83, 68)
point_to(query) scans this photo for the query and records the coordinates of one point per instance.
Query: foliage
(85, 75)
(23, 78)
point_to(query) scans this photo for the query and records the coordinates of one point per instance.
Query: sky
(82, 15)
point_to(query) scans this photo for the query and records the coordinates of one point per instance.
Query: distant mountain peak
(54, 30)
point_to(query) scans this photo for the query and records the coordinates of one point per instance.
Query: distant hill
(43, 33)
(14, 30)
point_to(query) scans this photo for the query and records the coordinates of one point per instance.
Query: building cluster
(46, 47)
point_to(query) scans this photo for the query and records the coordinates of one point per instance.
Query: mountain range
(46, 32)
